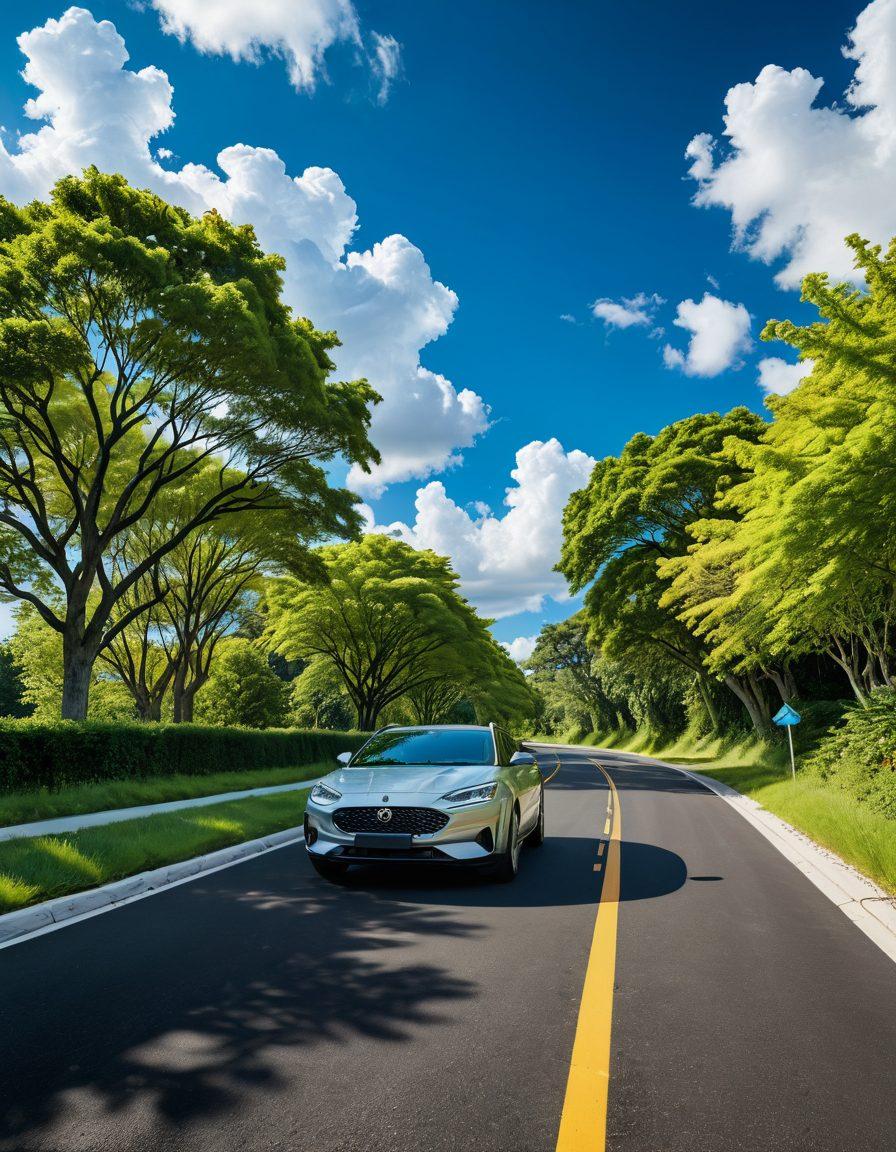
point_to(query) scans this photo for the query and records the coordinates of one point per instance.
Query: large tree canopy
(635, 519)
(139, 345)
(391, 624)
(809, 555)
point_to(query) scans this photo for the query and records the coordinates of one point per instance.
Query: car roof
(435, 727)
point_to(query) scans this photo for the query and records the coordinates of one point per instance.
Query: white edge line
(111, 907)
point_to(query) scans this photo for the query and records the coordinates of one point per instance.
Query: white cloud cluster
(797, 177)
(506, 563)
(298, 31)
(384, 303)
(719, 334)
(629, 312)
(777, 377)
(521, 648)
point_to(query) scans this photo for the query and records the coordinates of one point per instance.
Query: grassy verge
(43, 804)
(40, 868)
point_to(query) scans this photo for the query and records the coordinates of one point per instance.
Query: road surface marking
(600, 848)
(597, 867)
(583, 1123)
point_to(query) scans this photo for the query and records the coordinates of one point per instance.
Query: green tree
(807, 563)
(241, 689)
(574, 679)
(36, 650)
(636, 514)
(138, 344)
(389, 621)
(12, 689)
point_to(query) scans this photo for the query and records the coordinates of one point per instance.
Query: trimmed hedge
(42, 755)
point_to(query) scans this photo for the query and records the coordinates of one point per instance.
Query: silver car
(458, 794)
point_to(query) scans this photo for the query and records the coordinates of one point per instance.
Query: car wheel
(330, 869)
(507, 865)
(536, 836)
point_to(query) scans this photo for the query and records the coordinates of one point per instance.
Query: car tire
(507, 865)
(536, 836)
(332, 870)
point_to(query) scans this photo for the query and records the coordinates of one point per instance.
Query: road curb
(24, 924)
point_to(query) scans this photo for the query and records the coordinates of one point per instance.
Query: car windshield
(396, 747)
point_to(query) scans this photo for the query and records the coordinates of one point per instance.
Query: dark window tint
(426, 746)
(506, 745)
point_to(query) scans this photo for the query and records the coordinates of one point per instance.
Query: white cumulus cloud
(298, 31)
(384, 302)
(798, 176)
(719, 334)
(521, 648)
(505, 562)
(777, 377)
(629, 312)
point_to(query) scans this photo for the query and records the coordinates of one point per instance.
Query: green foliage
(390, 624)
(859, 756)
(12, 700)
(242, 690)
(142, 352)
(55, 755)
(36, 650)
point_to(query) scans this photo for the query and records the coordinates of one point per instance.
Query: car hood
(420, 780)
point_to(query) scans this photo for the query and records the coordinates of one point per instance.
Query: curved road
(260, 1008)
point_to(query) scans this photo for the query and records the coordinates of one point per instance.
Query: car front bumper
(472, 835)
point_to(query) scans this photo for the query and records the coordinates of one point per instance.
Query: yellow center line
(548, 779)
(583, 1122)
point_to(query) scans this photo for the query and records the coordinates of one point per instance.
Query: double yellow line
(583, 1123)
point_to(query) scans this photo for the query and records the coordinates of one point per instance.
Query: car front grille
(416, 821)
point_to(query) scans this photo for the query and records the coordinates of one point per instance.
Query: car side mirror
(522, 758)
(344, 758)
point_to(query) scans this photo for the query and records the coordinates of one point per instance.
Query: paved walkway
(113, 815)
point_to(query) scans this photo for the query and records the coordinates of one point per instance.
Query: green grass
(36, 869)
(42, 804)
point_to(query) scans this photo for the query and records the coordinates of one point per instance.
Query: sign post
(787, 717)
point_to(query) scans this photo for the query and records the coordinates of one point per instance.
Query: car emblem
(385, 799)
(384, 815)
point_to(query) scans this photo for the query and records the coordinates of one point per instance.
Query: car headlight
(324, 795)
(472, 795)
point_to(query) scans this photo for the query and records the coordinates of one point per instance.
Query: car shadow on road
(178, 1007)
(561, 872)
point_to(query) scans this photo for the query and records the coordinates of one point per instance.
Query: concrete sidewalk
(112, 815)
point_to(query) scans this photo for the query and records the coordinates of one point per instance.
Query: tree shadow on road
(180, 1005)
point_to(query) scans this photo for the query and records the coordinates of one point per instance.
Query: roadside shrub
(54, 755)
(242, 689)
(859, 756)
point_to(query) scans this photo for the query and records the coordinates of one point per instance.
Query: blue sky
(534, 153)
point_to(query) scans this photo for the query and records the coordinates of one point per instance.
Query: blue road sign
(787, 717)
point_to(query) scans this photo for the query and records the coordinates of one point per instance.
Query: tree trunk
(783, 680)
(177, 693)
(750, 694)
(708, 703)
(77, 671)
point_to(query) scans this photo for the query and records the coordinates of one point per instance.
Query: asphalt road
(260, 1008)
